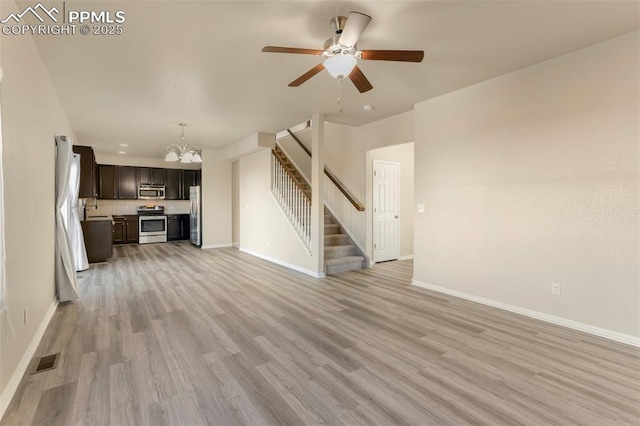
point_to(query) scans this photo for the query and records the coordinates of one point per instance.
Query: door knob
(396, 216)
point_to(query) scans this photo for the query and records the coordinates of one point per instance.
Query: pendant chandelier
(184, 153)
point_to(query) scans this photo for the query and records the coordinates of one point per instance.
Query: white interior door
(386, 210)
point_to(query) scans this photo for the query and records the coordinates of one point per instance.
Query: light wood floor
(166, 334)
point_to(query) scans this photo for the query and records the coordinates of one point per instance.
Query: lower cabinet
(131, 229)
(125, 229)
(177, 227)
(97, 239)
(186, 226)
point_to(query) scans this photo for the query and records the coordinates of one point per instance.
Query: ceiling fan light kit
(340, 66)
(184, 153)
(342, 54)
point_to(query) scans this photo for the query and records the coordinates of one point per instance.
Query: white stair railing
(292, 197)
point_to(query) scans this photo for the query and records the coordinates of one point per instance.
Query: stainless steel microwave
(151, 192)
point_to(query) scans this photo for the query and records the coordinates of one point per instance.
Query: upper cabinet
(150, 176)
(127, 182)
(117, 182)
(107, 181)
(188, 180)
(121, 182)
(88, 185)
(173, 184)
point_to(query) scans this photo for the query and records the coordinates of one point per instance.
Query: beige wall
(31, 117)
(235, 203)
(402, 154)
(216, 201)
(346, 147)
(532, 178)
(265, 230)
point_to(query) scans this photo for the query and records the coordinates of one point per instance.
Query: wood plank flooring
(165, 334)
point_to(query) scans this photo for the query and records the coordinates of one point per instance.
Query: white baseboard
(215, 246)
(14, 381)
(309, 272)
(597, 331)
(407, 257)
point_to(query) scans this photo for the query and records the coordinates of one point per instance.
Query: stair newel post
(317, 204)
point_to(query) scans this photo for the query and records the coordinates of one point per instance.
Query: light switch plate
(421, 208)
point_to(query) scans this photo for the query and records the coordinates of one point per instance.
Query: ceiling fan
(342, 54)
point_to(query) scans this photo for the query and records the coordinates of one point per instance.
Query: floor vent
(47, 362)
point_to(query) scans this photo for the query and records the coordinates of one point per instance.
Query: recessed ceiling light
(124, 144)
(367, 108)
(121, 152)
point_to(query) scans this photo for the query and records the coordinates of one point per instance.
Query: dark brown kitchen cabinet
(88, 187)
(107, 182)
(119, 226)
(97, 239)
(174, 227)
(177, 227)
(188, 180)
(125, 229)
(186, 226)
(131, 229)
(127, 183)
(150, 176)
(173, 184)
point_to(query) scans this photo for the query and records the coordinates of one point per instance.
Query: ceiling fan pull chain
(340, 98)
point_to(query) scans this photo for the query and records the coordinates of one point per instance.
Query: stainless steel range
(152, 224)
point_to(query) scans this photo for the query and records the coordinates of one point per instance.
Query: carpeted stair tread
(343, 260)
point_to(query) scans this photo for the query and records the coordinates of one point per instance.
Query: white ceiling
(200, 62)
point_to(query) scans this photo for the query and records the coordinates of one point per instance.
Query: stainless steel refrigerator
(195, 215)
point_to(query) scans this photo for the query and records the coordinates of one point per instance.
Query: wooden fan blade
(359, 80)
(393, 55)
(306, 76)
(277, 49)
(356, 23)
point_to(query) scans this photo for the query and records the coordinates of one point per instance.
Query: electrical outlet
(421, 208)
(555, 289)
(268, 243)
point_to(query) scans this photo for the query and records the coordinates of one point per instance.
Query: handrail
(359, 206)
(344, 191)
(295, 138)
(290, 173)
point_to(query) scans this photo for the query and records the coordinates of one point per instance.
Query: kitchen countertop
(98, 218)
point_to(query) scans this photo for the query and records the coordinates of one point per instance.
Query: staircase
(294, 172)
(293, 193)
(340, 253)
